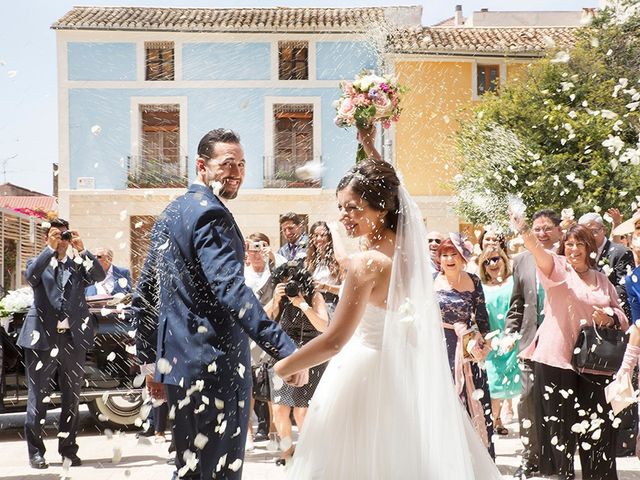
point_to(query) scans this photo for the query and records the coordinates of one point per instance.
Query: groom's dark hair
(207, 145)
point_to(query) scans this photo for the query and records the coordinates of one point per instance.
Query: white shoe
(273, 445)
(248, 446)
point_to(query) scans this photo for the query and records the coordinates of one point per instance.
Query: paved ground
(141, 459)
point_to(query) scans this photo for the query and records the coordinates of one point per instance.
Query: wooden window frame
(165, 61)
(487, 68)
(289, 68)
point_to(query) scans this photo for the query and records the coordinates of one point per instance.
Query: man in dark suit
(524, 316)
(192, 295)
(55, 336)
(118, 279)
(614, 259)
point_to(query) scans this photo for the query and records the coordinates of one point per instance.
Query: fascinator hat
(463, 246)
(629, 226)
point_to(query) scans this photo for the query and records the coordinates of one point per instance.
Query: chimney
(484, 10)
(458, 18)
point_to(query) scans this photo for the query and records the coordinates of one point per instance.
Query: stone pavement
(123, 457)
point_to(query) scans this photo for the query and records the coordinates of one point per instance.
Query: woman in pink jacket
(572, 404)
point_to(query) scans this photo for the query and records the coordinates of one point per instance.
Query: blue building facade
(136, 95)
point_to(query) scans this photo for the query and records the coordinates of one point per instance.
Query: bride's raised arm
(361, 277)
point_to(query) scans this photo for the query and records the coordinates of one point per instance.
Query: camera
(296, 278)
(292, 288)
(256, 245)
(67, 235)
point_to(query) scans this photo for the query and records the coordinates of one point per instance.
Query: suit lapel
(206, 191)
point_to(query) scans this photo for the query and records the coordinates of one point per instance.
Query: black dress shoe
(261, 437)
(75, 460)
(525, 471)
(38, 461)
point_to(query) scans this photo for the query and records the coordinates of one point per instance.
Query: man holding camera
(55, 336)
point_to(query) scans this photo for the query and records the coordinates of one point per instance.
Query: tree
(566, 136)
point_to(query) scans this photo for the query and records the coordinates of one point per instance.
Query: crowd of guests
(512, 308)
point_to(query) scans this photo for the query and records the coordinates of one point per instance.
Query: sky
(28, 90)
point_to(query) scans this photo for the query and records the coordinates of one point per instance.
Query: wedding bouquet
(368, 99)
(16, 301)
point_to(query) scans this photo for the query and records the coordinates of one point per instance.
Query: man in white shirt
(118, 279)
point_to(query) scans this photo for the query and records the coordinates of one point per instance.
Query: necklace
(583, 272)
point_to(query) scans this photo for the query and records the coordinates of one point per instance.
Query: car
(112, 382)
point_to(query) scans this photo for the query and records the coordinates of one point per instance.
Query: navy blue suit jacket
(632, 284)
(192, 300)
(118, 273)
(42, 318)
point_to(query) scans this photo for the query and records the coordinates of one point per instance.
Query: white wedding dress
(386, 407)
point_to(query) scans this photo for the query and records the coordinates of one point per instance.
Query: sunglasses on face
(491, 261)
(434, 240)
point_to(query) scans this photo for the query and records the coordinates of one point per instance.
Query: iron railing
(152, 172)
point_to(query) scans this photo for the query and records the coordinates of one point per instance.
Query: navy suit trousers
(41, 369)
(223, 453)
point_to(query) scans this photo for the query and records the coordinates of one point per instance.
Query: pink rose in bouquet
(368, 99)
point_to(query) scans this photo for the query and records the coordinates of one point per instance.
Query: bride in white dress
(386, 407)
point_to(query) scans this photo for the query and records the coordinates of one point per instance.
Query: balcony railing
(145, 172)
(277, 176)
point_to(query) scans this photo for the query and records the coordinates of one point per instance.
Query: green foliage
(566, 136)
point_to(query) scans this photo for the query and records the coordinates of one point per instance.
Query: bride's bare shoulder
(370, 263)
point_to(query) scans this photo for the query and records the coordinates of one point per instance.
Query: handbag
(601, 349)
(261, 385)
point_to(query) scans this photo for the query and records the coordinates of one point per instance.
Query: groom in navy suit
(195, 316)
(55, 336)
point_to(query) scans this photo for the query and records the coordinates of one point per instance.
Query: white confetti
(111, 357)
(123, 215)
(35, 336)
(38, 366)
(200, 441)
(526, 423)
(235, 465)
(163, 366)
(221, 462)
(202, 329)
(63, 434)
(241, 369)
(218, 403)
(96, 130)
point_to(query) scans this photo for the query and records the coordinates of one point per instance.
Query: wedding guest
(629, 227)
(464, 316)
(302, 313)
(525, 315)
(434, 239)
(259, 263)
(575, 294)
(613, 259)
(501, 364)
(490, 238)
(292, 228)
(321, 261)
(118, 279)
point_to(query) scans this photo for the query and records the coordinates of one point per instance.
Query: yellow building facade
(443, 69)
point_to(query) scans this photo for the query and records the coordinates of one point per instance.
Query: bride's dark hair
(376, 182)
